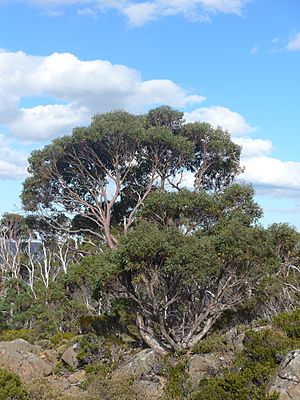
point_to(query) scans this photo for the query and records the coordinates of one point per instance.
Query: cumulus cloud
(221, 116)
(84, 88)
(294, 43)
(46, 122)
(253, 147)
(141, 12)
(13, 163)
(271, 175)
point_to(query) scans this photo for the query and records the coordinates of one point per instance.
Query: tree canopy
(104, 173)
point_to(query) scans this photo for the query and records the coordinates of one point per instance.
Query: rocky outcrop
(151, 389)
(287, 379)
(142, 364)
(69, 357)
(202, 366)
(144, 368)
(27, 360)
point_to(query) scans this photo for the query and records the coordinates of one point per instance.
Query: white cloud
(253, 147)
(270, 174)
(46, 122)
(13, 163)
(294, 43)
(141, 12)
(85, 87)
(223, 117)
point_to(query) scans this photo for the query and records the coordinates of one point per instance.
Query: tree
(14, 234)
(194, 256)
(105, 172)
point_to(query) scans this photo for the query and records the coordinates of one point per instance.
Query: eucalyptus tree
(104, 173)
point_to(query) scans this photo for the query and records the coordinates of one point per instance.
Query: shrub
(12, 334)
(232, 386)
(249, 376)
(213, 343)
(178, 386)
(289, 322)
(267, 346)
(89, 349)
(60, 336)
(11, 387)
(116, 388)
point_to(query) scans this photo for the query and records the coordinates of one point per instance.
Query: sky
(232, 63)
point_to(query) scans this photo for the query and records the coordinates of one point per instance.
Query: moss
(11, 387)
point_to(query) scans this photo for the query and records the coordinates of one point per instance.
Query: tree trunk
(149, 339)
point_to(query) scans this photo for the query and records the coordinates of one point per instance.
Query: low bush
(212, 344)
(250, 374)
(289, 322)
(11, 387)
(12, 334)
(60, 336)
(178, 385)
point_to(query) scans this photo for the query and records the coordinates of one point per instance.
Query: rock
(24, 359)
(202, 366)
(149, 389)
(140, 365)
(64, 386)
(51, 356)
(69, 357)
(287, 379)
(77, 377)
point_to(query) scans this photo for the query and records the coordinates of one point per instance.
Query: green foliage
(212, 344)
(212, 147)
(289, 322)
(89, 349)
(250, 374)
(12, 334)
(232, 386)
(96, 371)
(266, 346)
(178, 386)
(11, 387)
(61, 336)
(286, 239)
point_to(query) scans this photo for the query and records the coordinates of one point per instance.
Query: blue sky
(234, 63)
